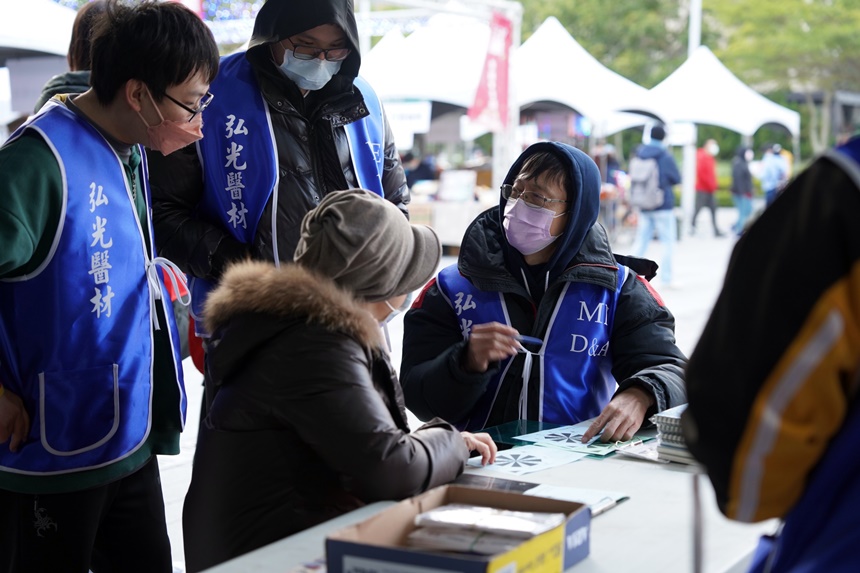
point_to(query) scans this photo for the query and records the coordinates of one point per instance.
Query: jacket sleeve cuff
(650, 388)
(460, 374)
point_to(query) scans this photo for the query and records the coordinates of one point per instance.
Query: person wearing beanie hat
(307, 420)
(374, 258)
(598, 341)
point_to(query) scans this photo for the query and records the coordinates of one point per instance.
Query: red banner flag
(491, 99)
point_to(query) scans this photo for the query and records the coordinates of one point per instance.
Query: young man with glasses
(539, 320)
(90, 375)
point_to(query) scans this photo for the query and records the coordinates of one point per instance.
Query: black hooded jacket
(308, 420)
(643, 341)
(308, 130)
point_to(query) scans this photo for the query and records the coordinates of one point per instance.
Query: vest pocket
(78, 410)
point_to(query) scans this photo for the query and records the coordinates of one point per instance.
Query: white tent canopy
(441, 61)
(34, 27)
(427, 65)
(552, 66)
(386, 55)
(702, 90)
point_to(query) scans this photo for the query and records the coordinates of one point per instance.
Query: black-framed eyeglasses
(311, 53)
(204, 103)
(531, 199)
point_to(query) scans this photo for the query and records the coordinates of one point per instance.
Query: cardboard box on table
(378, 544)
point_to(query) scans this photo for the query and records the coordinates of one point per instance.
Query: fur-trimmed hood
(291, 291)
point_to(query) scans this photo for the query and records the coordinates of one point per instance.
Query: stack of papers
(671, 445)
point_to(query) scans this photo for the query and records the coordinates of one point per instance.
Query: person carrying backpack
(655, 215)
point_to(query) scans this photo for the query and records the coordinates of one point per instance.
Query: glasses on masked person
(302, 52)
(204, 103)
(531, 199)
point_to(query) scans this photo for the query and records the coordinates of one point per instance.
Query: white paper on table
(565, 435)
(527, 459)
(646, 451)
(570, 438)
(597, 499)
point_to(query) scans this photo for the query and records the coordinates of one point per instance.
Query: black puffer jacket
(309, 131)
(308, 420)
(435, 384)
(643, 346)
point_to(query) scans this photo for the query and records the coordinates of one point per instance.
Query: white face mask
(713, 149)
(309, 74)
(402, 308)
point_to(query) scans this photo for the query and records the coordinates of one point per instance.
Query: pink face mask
(170, 135)
(528, 228)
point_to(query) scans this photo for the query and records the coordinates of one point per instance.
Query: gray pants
(705, 199)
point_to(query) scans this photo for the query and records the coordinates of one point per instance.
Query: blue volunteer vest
(240, 161)
(573, 363)
(821, 531)
(76, 335)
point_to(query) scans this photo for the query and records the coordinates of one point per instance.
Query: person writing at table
(307, 421)
(540, 265)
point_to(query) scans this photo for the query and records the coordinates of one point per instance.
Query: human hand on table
(484, 445)
(14, 420)
(489, 342)
(622, 417)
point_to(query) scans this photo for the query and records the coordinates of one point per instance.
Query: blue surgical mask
(309, 74)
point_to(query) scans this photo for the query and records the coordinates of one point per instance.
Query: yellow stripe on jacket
(800, 407)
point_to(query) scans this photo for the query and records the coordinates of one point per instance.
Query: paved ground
(700, 263)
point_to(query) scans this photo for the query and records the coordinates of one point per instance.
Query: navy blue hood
(583, 192)
(650, 150)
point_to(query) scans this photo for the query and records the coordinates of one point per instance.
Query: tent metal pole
(688, 173)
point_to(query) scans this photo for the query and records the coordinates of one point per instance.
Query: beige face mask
(170, 135)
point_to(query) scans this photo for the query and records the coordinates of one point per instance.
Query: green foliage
(643, 40)
(809, 46)
(776, 46)
(783, 43)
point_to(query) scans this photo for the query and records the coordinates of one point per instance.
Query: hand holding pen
(492, 342)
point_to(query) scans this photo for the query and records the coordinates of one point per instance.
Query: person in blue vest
(292, 123)
(91, 383)
(777, 425)
(601, 343)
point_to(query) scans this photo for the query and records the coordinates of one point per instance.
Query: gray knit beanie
(367, 246)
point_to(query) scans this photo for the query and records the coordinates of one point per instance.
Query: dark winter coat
(308, 420)
(773, 381)
(308, 131)
(643, 340)
(742, 183)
